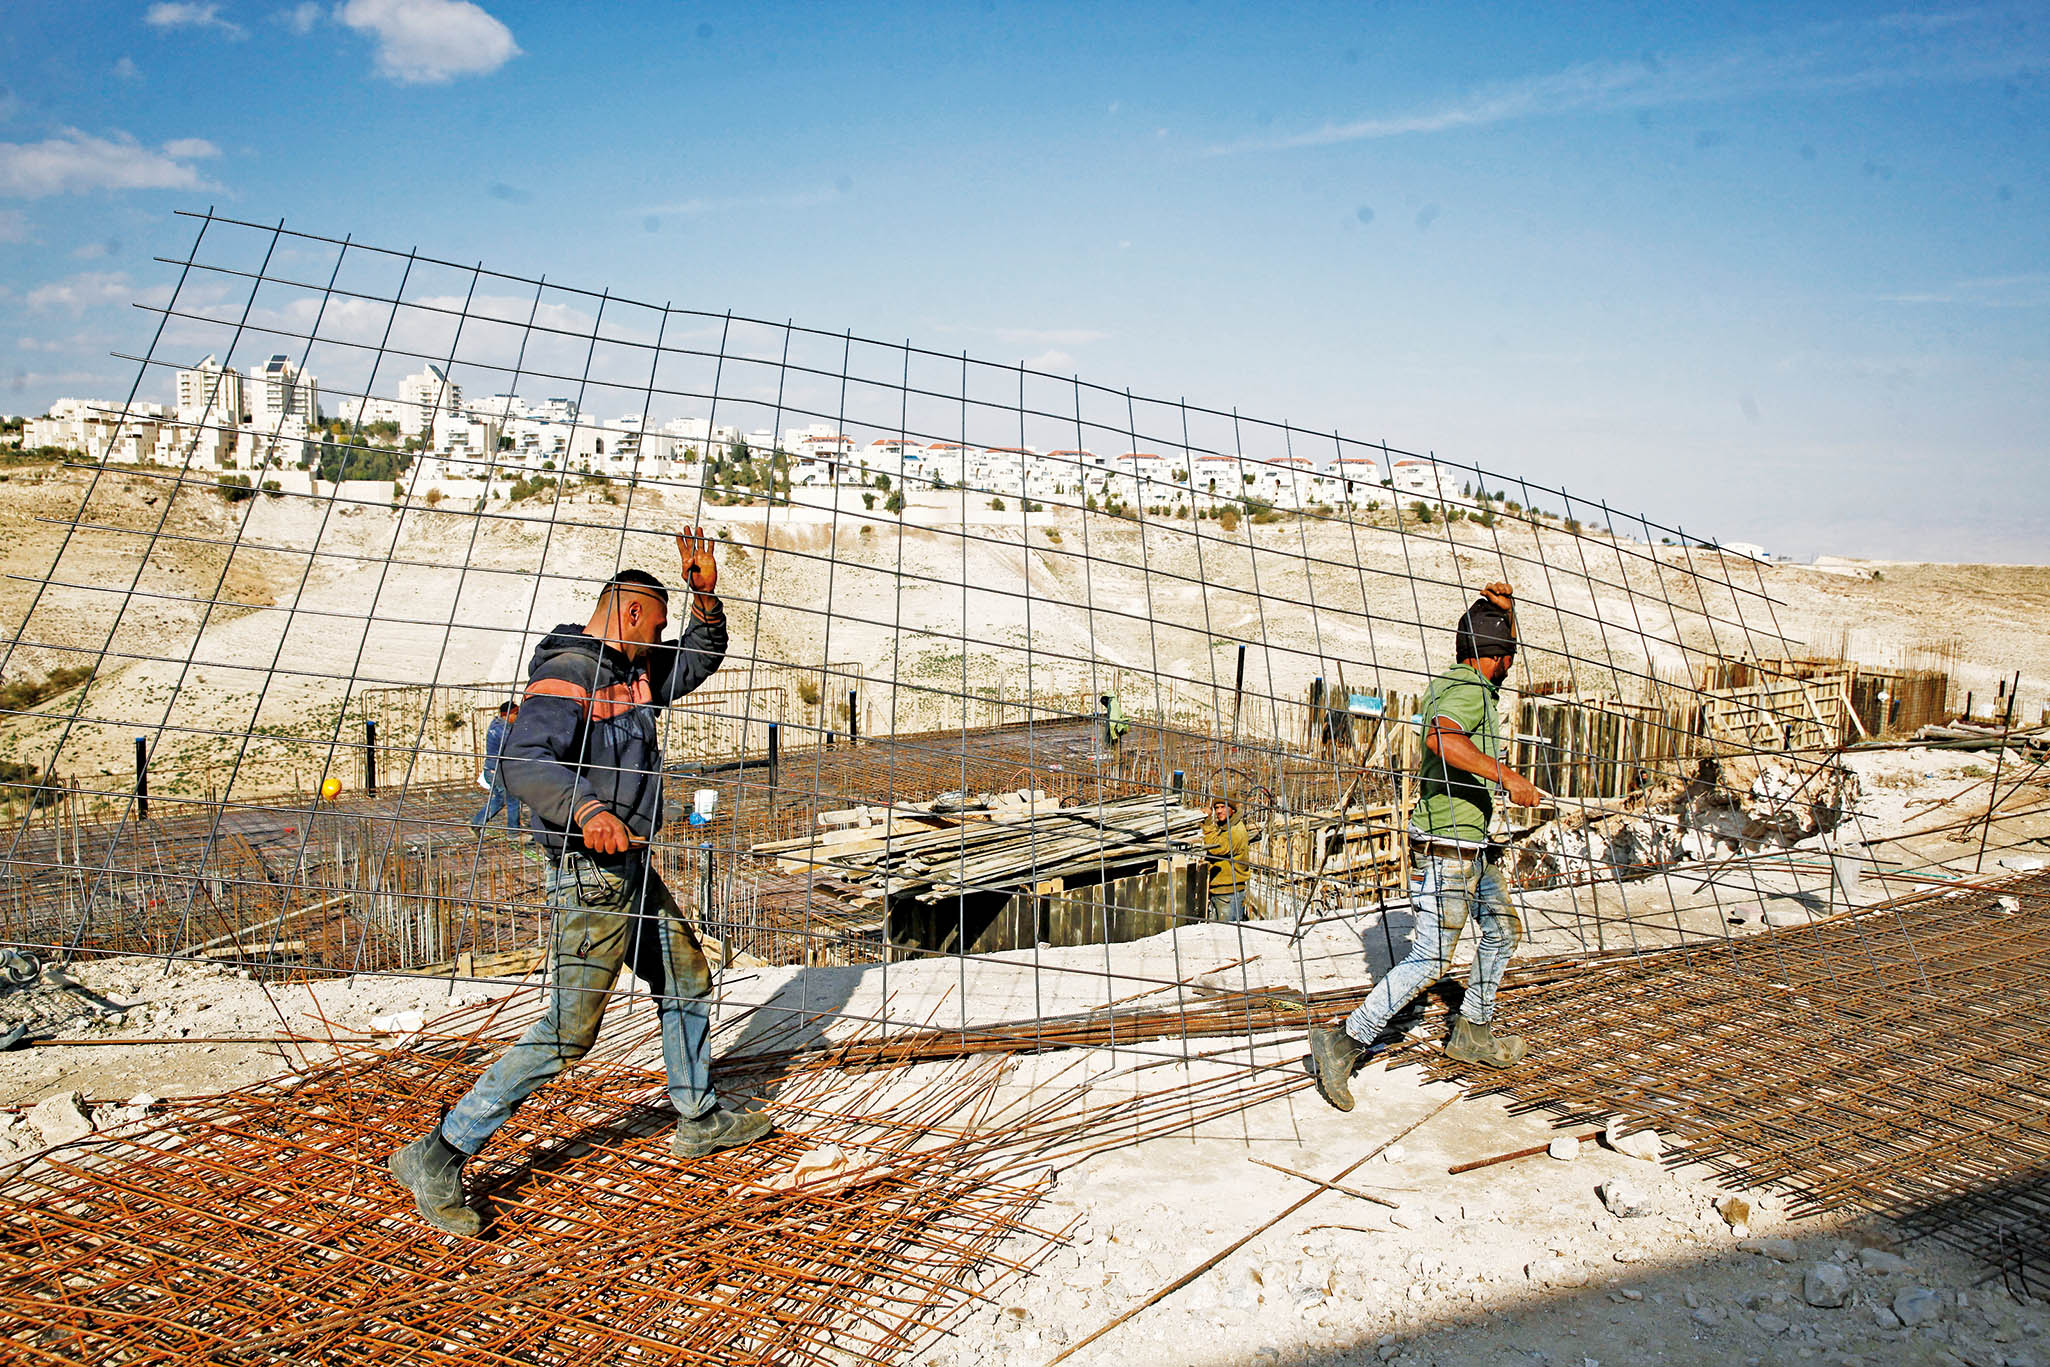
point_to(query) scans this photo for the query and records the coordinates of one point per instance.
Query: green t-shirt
(1451, 803)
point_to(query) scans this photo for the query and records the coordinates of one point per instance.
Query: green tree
(895, 503)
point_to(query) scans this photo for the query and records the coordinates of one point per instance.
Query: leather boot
(1333, 1054)
(1472, 1043)
(717, 1129)
(432, 1169)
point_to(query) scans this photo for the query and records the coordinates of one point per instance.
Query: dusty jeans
(604, 917)
(1228, 906)
(1442, 891)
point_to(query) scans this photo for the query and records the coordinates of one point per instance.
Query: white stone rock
(1780, 1250)
(1880, 1261)
(1565, 1148)
(1644, 1144)
(1914, 1305)
(2021, 863)
(1826, 1286)
(398, 1023)
(61, 1118)
(1624, 1200)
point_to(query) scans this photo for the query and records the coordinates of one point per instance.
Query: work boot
(1333, 1053)
(1471, 1043)
(717, 1129)
(432, 1169)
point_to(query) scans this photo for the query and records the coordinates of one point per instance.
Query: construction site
(939, 818)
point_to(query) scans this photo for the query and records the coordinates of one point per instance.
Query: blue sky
(1778, 272)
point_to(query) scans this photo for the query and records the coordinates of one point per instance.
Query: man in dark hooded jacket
(584, 757)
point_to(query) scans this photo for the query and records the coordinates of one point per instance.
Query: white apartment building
(1291, 482)
(278, 447)
(363, 412)
(210, 395)
(277, 390)
(1418, 478)
(1068, 470)
(425, 397)
(98, 428)
(1357, 480)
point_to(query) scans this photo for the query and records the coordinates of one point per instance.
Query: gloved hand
(605, 833)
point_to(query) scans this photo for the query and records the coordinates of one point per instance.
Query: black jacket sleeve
(538, 762)
(677, 667)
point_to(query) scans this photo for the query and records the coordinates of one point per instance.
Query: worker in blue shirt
(494, 742)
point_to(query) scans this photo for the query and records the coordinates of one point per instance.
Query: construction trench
(959, 917)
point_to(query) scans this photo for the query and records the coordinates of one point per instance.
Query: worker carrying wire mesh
(1226, 853)
(585, 758)
(1456, 870)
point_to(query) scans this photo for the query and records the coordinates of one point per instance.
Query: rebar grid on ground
(1265, 629)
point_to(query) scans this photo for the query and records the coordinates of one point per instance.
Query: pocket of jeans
(597, 886)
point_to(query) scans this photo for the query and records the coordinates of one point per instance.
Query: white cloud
(1827, 59)
(74, 162)
(127, 70)
(424, 42)
(170, 16)
(13, 225)
(74, 294)
(300, 18)
(1050, 361)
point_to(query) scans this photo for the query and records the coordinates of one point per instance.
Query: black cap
(1484, 630)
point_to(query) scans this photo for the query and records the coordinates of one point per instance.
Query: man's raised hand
(700, 569)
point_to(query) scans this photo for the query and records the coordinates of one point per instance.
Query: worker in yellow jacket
(1226, 845)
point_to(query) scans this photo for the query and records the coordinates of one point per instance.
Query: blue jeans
(1228, 906)
(1442, 892)
(499, 801)
(605, 916)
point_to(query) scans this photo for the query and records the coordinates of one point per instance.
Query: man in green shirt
(1454, 870)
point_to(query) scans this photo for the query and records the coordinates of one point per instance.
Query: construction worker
(494, 743)
(1114, 728)
(583, 757)
(1455, 870)
(1225, 847)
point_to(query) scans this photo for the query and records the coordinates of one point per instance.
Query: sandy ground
(247, 629)
(1515, 1264)
(1521, 1263)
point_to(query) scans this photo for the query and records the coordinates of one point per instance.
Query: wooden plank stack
(1007, 843)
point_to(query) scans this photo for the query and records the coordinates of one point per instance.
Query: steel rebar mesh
(936, 572)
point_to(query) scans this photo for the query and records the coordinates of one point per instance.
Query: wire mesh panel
(996, 641)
